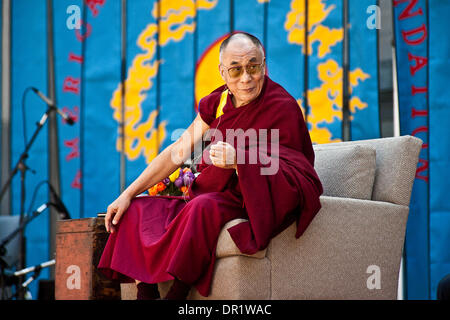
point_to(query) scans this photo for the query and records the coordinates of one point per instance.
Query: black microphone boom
(51, 104)
(59, 205)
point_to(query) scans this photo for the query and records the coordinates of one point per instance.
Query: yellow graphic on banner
(325, 101)
(142, 138)
(175, 15)
(318, 12)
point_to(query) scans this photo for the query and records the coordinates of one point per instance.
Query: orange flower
(153, 190)
(186, 169)
(160, 186)
(184, 189)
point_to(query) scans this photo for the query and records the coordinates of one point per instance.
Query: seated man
(270, 182)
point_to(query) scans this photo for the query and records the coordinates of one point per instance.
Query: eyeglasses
(252, 69)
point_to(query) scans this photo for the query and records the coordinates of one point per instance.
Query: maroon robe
(162, 237)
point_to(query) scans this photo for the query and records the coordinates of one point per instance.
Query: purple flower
(188, 177)
(178, 182)
(166, 181)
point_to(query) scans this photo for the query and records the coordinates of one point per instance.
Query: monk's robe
(162, 237)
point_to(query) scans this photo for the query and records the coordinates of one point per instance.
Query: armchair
(353, 247)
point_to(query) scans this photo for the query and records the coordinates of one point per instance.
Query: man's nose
(246, 77)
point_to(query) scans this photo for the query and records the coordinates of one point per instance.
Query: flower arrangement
(176, 184)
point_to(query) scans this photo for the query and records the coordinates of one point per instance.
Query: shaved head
(240, 38)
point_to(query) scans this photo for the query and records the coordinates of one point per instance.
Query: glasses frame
(246, 69)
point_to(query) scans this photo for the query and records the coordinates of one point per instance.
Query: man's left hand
(223, 155)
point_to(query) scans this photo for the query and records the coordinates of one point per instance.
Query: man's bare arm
(161, 167)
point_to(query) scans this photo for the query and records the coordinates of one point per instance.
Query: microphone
(51, 104)
(59, 205)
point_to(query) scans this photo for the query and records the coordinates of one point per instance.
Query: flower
(188, 177)
(160, 186)
(153, 190)
(174, 175)
(176, 184)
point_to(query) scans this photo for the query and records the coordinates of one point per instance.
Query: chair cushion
(346, 171)
(226, 246)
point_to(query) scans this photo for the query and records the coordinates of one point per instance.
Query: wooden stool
(79, 246)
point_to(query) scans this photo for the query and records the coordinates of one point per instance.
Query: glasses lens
(254, 69)
(235, 72)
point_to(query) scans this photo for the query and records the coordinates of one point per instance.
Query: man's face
(244, 54)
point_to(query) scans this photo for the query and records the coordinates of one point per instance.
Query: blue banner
(284, 47)
(324, 62)
(213, 25)
(100, 169)
(363, 80)
(68, 57)
(414, 110)
(439, 148)
(422, 72)
(177, 27)
(141, 90)
(325, 73)
(29, 69)
(250, 16)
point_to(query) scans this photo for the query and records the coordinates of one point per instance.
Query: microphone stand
(37, 271)
(5, 241)
(22, 167)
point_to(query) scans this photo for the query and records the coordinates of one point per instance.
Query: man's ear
(265, 66)
(222, 72)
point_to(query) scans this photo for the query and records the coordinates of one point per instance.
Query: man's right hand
(115, 211)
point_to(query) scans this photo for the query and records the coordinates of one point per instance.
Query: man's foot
(178, 291)
(147, 291)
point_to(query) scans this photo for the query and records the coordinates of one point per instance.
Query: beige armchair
(353, 247)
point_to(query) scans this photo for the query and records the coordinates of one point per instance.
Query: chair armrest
(226, 246)
(332, 258)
